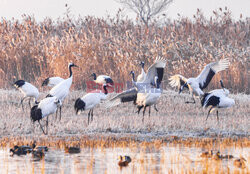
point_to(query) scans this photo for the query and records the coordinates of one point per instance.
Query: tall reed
(32, 50)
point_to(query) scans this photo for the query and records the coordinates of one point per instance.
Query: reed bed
(33, 51)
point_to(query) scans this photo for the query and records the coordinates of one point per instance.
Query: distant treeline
(33, 51)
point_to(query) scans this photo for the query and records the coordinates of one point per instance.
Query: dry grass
(175, 118)
(32, 50)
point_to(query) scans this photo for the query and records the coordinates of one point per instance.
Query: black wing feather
(211, 101)
(208, 79)
(45, 82)
(79, 105)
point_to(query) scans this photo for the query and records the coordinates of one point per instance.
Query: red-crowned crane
(149, 90)
(90, 100)
(28, 90)
(150, 83)
(217, 98)
(46, 107)
(201, 82)
(61, 90)
(103, 79)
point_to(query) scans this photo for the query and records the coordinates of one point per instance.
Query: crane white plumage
(177, 80)
(28, 90)
(203, 79)
(156, 69)
(46, 107)
(149, 91)
(61, 90)
(52, 81)
(147, 96)
(103, 79)
(90, 100)
(141, 77)
(217, 98)
(131, 94)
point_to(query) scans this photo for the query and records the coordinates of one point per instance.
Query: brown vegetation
(32, 50)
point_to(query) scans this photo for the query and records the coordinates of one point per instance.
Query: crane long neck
(142, 70)
(133, 77)
(142, 66)
(105, 89)
(222, 85)
(94, 76)
(70, 71)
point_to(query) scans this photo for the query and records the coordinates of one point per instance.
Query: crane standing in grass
(90, 100)
(217, 98)
(61, 90)
(46, 107)
(28, 90)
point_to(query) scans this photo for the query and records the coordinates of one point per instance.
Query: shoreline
(110, 140)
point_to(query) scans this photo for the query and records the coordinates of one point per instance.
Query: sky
(41, 9)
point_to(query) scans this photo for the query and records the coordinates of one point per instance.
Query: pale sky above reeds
(101, 8)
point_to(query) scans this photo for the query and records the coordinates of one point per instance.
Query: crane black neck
(105, 89)
(142, 66)
(94, 75)
(133, 76)
(70, 70)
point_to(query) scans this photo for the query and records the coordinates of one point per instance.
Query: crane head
(142, 64)
(72, 65)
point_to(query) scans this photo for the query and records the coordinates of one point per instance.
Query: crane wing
(210, 70)
(156, 69)
(125, 96)
(177, 80)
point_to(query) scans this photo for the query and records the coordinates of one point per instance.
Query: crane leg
(149, 110)
(41, 127)
(143, 113)
(155, 108)
(92, 114)
(209, 112)
(60, 113)
(217, 113)
(47, 125)
(22, 102)
(56, 113)
(29, 102)
(139, 109)
(89, 116)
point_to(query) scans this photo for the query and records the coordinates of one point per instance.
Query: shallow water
(176, 159)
